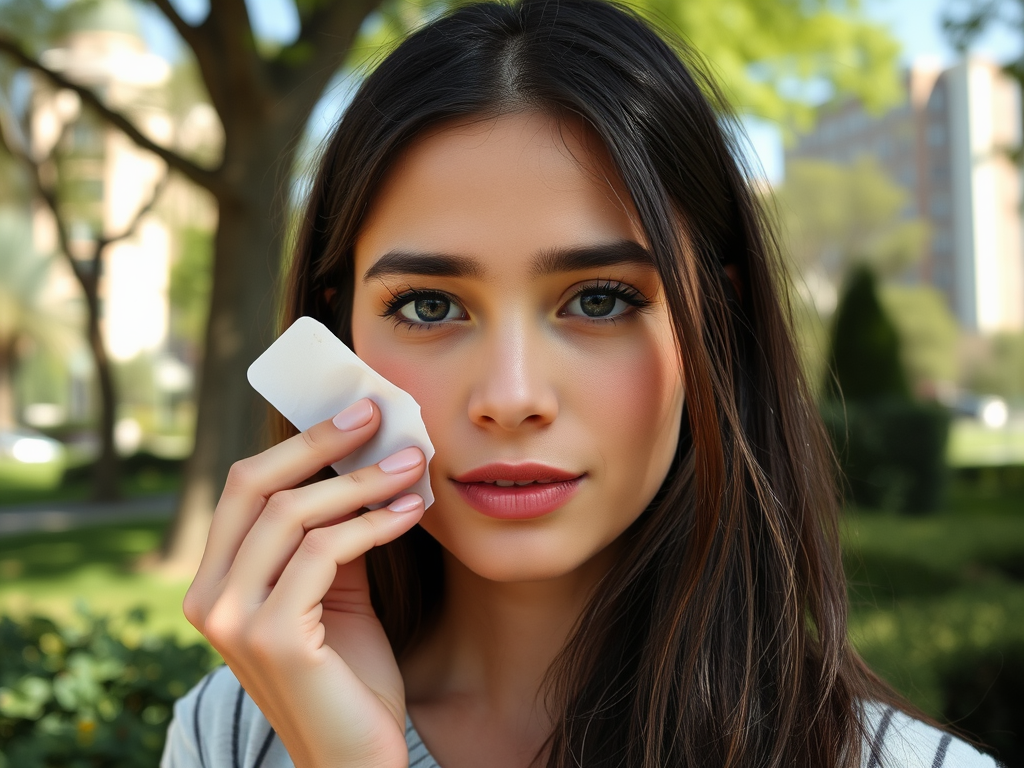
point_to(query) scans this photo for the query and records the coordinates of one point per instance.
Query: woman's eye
(430, 309)
(596, 304)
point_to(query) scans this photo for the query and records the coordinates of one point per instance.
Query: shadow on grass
(876, 578)
(142, 475)
(1009, 562)
(56, 556)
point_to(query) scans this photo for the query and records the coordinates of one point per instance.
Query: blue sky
(916, 24)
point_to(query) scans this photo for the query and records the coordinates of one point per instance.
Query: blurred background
(154, 156)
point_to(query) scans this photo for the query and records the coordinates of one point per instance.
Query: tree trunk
(230, 418)
(106, 481)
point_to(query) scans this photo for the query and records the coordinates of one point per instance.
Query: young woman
(532, 220)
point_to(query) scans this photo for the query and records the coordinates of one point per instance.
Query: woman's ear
(734, 278)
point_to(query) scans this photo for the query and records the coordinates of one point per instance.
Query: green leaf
(26, 699)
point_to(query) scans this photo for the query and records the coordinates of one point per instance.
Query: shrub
(864, 359)
(892, 451)
(97, 695)
(982, 692)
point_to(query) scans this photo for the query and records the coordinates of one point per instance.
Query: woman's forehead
(509, 187)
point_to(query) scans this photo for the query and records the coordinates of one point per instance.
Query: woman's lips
(526, 490)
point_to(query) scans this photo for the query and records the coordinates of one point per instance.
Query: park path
(63, 516)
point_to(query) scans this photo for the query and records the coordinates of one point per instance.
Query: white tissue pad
(309, 375)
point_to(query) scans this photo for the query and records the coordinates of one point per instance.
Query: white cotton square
(309, 375)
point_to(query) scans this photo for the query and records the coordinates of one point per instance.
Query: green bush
(865, 361)
(98, 695)
(892, 451)
(982, 692)
(892, 448)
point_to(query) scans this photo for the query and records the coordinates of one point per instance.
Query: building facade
(948, 145)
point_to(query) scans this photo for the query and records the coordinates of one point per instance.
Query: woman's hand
(282, 592)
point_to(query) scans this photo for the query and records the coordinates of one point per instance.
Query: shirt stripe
(940, 753)
(879, 740)
(195, 718)
(264, 749)
(236, 726)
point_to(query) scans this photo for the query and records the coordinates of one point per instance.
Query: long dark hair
(719, 638)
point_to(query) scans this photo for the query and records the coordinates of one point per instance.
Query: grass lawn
(50, 573)
(972, 444)
(927, 591)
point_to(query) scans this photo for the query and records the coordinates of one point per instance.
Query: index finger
(253, 480)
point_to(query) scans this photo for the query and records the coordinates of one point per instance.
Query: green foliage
(892, 451)
(935, 599)
(928, 333)
(864, 360)
(1000, 368)
(832, 217)
(99, 695)
(982, 696)
(766, 52)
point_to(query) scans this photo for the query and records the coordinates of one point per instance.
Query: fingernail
(356, 415)
(404, 460)
(406, 503)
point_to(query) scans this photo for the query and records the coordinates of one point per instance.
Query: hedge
(96, 695)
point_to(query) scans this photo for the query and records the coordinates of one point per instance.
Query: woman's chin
(520, 555)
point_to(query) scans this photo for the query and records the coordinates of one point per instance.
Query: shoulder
(897, 740)
(217, 724)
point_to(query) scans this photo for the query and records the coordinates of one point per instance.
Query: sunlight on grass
(972, 444)
(50, 573)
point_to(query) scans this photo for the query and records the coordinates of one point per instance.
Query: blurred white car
(29, 459)
(29, 447)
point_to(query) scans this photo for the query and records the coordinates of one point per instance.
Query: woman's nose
(513, 385)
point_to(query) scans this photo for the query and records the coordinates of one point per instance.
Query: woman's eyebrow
(592, 256)
(428, 264)
(548, 262)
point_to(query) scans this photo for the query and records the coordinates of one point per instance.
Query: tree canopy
(835, 216)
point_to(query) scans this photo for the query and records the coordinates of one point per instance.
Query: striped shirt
(217, 725)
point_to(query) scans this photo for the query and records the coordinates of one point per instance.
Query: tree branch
(128, 231)
(196, 38)
(208, 179)
(325, 38)
(33, 168)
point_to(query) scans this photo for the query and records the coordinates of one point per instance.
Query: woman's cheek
(633, 407)
(429, 384)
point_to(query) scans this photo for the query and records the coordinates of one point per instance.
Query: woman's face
(502, 279)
